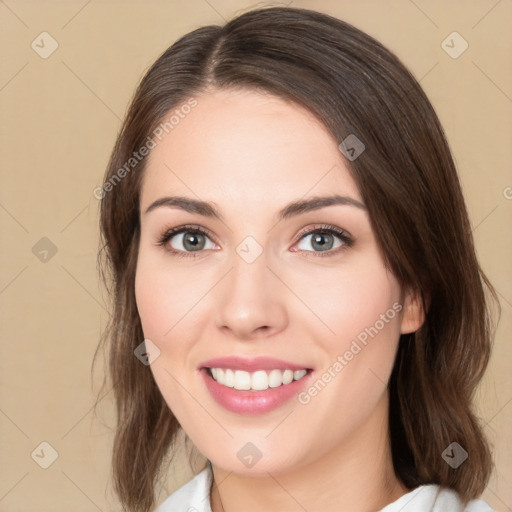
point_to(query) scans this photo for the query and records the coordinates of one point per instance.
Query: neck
(358, 473)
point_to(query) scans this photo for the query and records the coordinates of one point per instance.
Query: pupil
(191, 240)
(317, 239)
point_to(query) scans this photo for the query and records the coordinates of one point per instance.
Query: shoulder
(432, 498)
(194, 496)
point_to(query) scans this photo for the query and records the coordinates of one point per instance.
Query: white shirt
(194, 496)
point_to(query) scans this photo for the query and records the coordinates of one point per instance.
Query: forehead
(246, 147)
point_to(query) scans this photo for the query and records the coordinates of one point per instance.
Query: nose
(251, 300)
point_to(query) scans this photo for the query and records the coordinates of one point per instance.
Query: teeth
(259, 380)
(275, 378)
(242, 380)
(256, 381)
(287, 376)
(298, 374)
(229, 378)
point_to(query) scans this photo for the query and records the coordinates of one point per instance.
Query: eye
(323, 238)
(185, 241)
(191, 241)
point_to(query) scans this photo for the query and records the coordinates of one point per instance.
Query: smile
(257, 381)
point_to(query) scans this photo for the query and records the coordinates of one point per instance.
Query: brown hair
(407, 179)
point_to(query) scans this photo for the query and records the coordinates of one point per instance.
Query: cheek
(367, 330)
(363, 310)
(170, 307)
(151, 301)
(369, 306)
(351, 299)
(361, 307)
(164, 296)
(164, 312)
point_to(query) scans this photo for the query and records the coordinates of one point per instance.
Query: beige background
(60, 116)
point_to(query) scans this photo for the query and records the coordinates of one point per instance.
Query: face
(294, 306)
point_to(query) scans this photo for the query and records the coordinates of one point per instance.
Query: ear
(413, 315)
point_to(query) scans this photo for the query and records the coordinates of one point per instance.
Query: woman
(294, 278)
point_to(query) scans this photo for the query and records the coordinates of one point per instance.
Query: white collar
(194, 496)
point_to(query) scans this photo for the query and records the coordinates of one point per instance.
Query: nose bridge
(251, 296)
(249, 269)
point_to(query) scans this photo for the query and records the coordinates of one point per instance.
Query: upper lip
(252, 364)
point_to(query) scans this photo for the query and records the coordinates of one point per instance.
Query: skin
(251, 154)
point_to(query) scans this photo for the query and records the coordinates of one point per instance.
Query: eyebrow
(292, 209)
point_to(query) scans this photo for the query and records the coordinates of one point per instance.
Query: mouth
(259, 380)
(253, 385)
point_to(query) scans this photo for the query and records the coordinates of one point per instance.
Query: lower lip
(252, 402)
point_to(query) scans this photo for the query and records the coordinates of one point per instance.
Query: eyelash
(321, 229)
